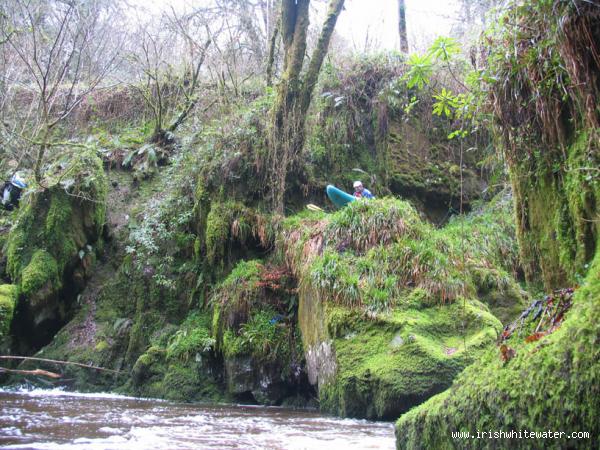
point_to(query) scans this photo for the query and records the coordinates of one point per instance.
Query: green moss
(231, 227)
(8, 299)
(218, 225)
(387, 365)
(181, 383)
(236, 296)
(54, 224)
(550, 142)
(149, 371)
(40, 273)
(549, 384)
(155, 375)
(389, 307)
(102, 346)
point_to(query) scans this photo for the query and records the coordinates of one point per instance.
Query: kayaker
(360, 191)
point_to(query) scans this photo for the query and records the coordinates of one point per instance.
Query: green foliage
(464, 107)
(231, 153)
(374, 251)
(192, 338)
(362, 225)
(419, 71)
(395, 300)
(444, 48)
(260, 337)
(446, 102)
(164, 230)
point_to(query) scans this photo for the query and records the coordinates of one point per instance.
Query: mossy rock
(256, 335)
(389, 306)
(8, 299)
(40, 278)
(550, 384)
(155, 375)
(385, 365)
(549, 134)
(49, 245)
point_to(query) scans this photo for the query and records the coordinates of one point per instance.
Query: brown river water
(42, 419)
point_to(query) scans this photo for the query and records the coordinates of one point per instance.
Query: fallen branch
(40, 372)
(54, 361)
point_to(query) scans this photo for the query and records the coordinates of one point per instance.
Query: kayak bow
(339, 197)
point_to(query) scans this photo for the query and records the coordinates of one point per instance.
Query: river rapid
(54, 419)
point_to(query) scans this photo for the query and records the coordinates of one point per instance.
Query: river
(54, 419)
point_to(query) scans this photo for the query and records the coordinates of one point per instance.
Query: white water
(53, 419)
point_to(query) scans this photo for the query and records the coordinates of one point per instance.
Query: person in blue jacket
(361, 192)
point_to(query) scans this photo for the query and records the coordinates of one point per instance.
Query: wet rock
(245, 375)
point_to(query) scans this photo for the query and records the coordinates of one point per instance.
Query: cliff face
(366, 124)
(203, 294)
(551, 146)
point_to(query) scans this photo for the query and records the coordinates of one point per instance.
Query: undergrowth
(370, 254)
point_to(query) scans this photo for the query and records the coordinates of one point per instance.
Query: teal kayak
(339, 197)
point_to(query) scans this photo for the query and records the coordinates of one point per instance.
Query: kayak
(339, 197)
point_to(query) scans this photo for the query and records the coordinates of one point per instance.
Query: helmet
(357, 184)
(18, 181)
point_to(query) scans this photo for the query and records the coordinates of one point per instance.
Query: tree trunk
(402, 26)
(39, 160)
(294, 92)
(272, 51)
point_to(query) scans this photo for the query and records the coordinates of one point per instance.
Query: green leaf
(443, 48)
(446, 103)
(419, 72)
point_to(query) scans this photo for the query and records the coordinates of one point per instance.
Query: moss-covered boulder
(51, 247)
(180, 364)
(388, 305)
(158, 376)
(550, 384)
(389, 364)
